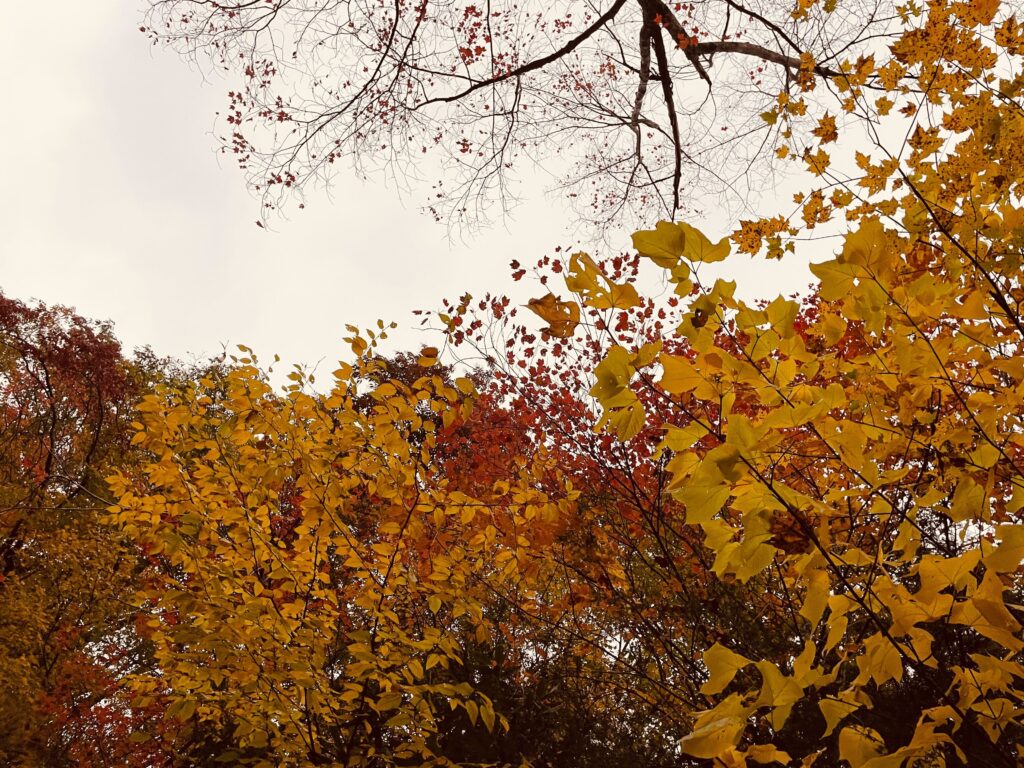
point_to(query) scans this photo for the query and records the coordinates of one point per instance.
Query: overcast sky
(115, 202)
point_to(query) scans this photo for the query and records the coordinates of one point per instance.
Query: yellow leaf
(767, 754)
(668, 242)
(988, 600)
(389, 700)
(627, 422)
(869, 247)
(980, 12)
(647, 354)
(777, 691)
(834, 711)
(487, 715)
(663, 245)
(726, 460)
(781, 313)
(680, 376)
(613, 375)
(968, 501)
(744, 435)
(826, 129)
(714, 738)
(817, 162)
(182, 710)
(816, 598)
(881, 660)
(703, 498)
(858, 745)
(709, 488)
(465, 385)
(587, 279)
(428, 357)
(836, 279)
(679, 439)
(699, 248)
(1008, 556)
(358, 344)
(722, 665)
(803, 671)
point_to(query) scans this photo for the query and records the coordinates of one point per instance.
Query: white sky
(115, 202)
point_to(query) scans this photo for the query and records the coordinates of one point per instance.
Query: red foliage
(66, 636)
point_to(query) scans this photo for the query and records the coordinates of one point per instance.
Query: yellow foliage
(874, 457)
(858, 459)
(314, 575)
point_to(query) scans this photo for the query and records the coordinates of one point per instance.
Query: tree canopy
(627, 104)
(672, 530)
(781, 532)
(66, 578)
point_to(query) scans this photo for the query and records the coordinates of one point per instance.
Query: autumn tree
(557, 695)
(863, 454)
(770, 532)
(497, 652)
(65, 579)
(627, 102)
(640, 595)
(315, 572)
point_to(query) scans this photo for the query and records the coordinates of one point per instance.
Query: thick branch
(540, 63)
(645, 75)
(666, 88)
(709, 48)
(758, 51)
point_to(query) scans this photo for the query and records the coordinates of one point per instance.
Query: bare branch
(543, 61)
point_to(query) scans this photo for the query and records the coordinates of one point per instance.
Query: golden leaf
(562, 316)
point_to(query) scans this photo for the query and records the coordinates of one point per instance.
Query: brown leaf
(562, 316)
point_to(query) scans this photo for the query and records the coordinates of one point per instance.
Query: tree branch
(540, 63)
(666, 88)
(708, 48)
